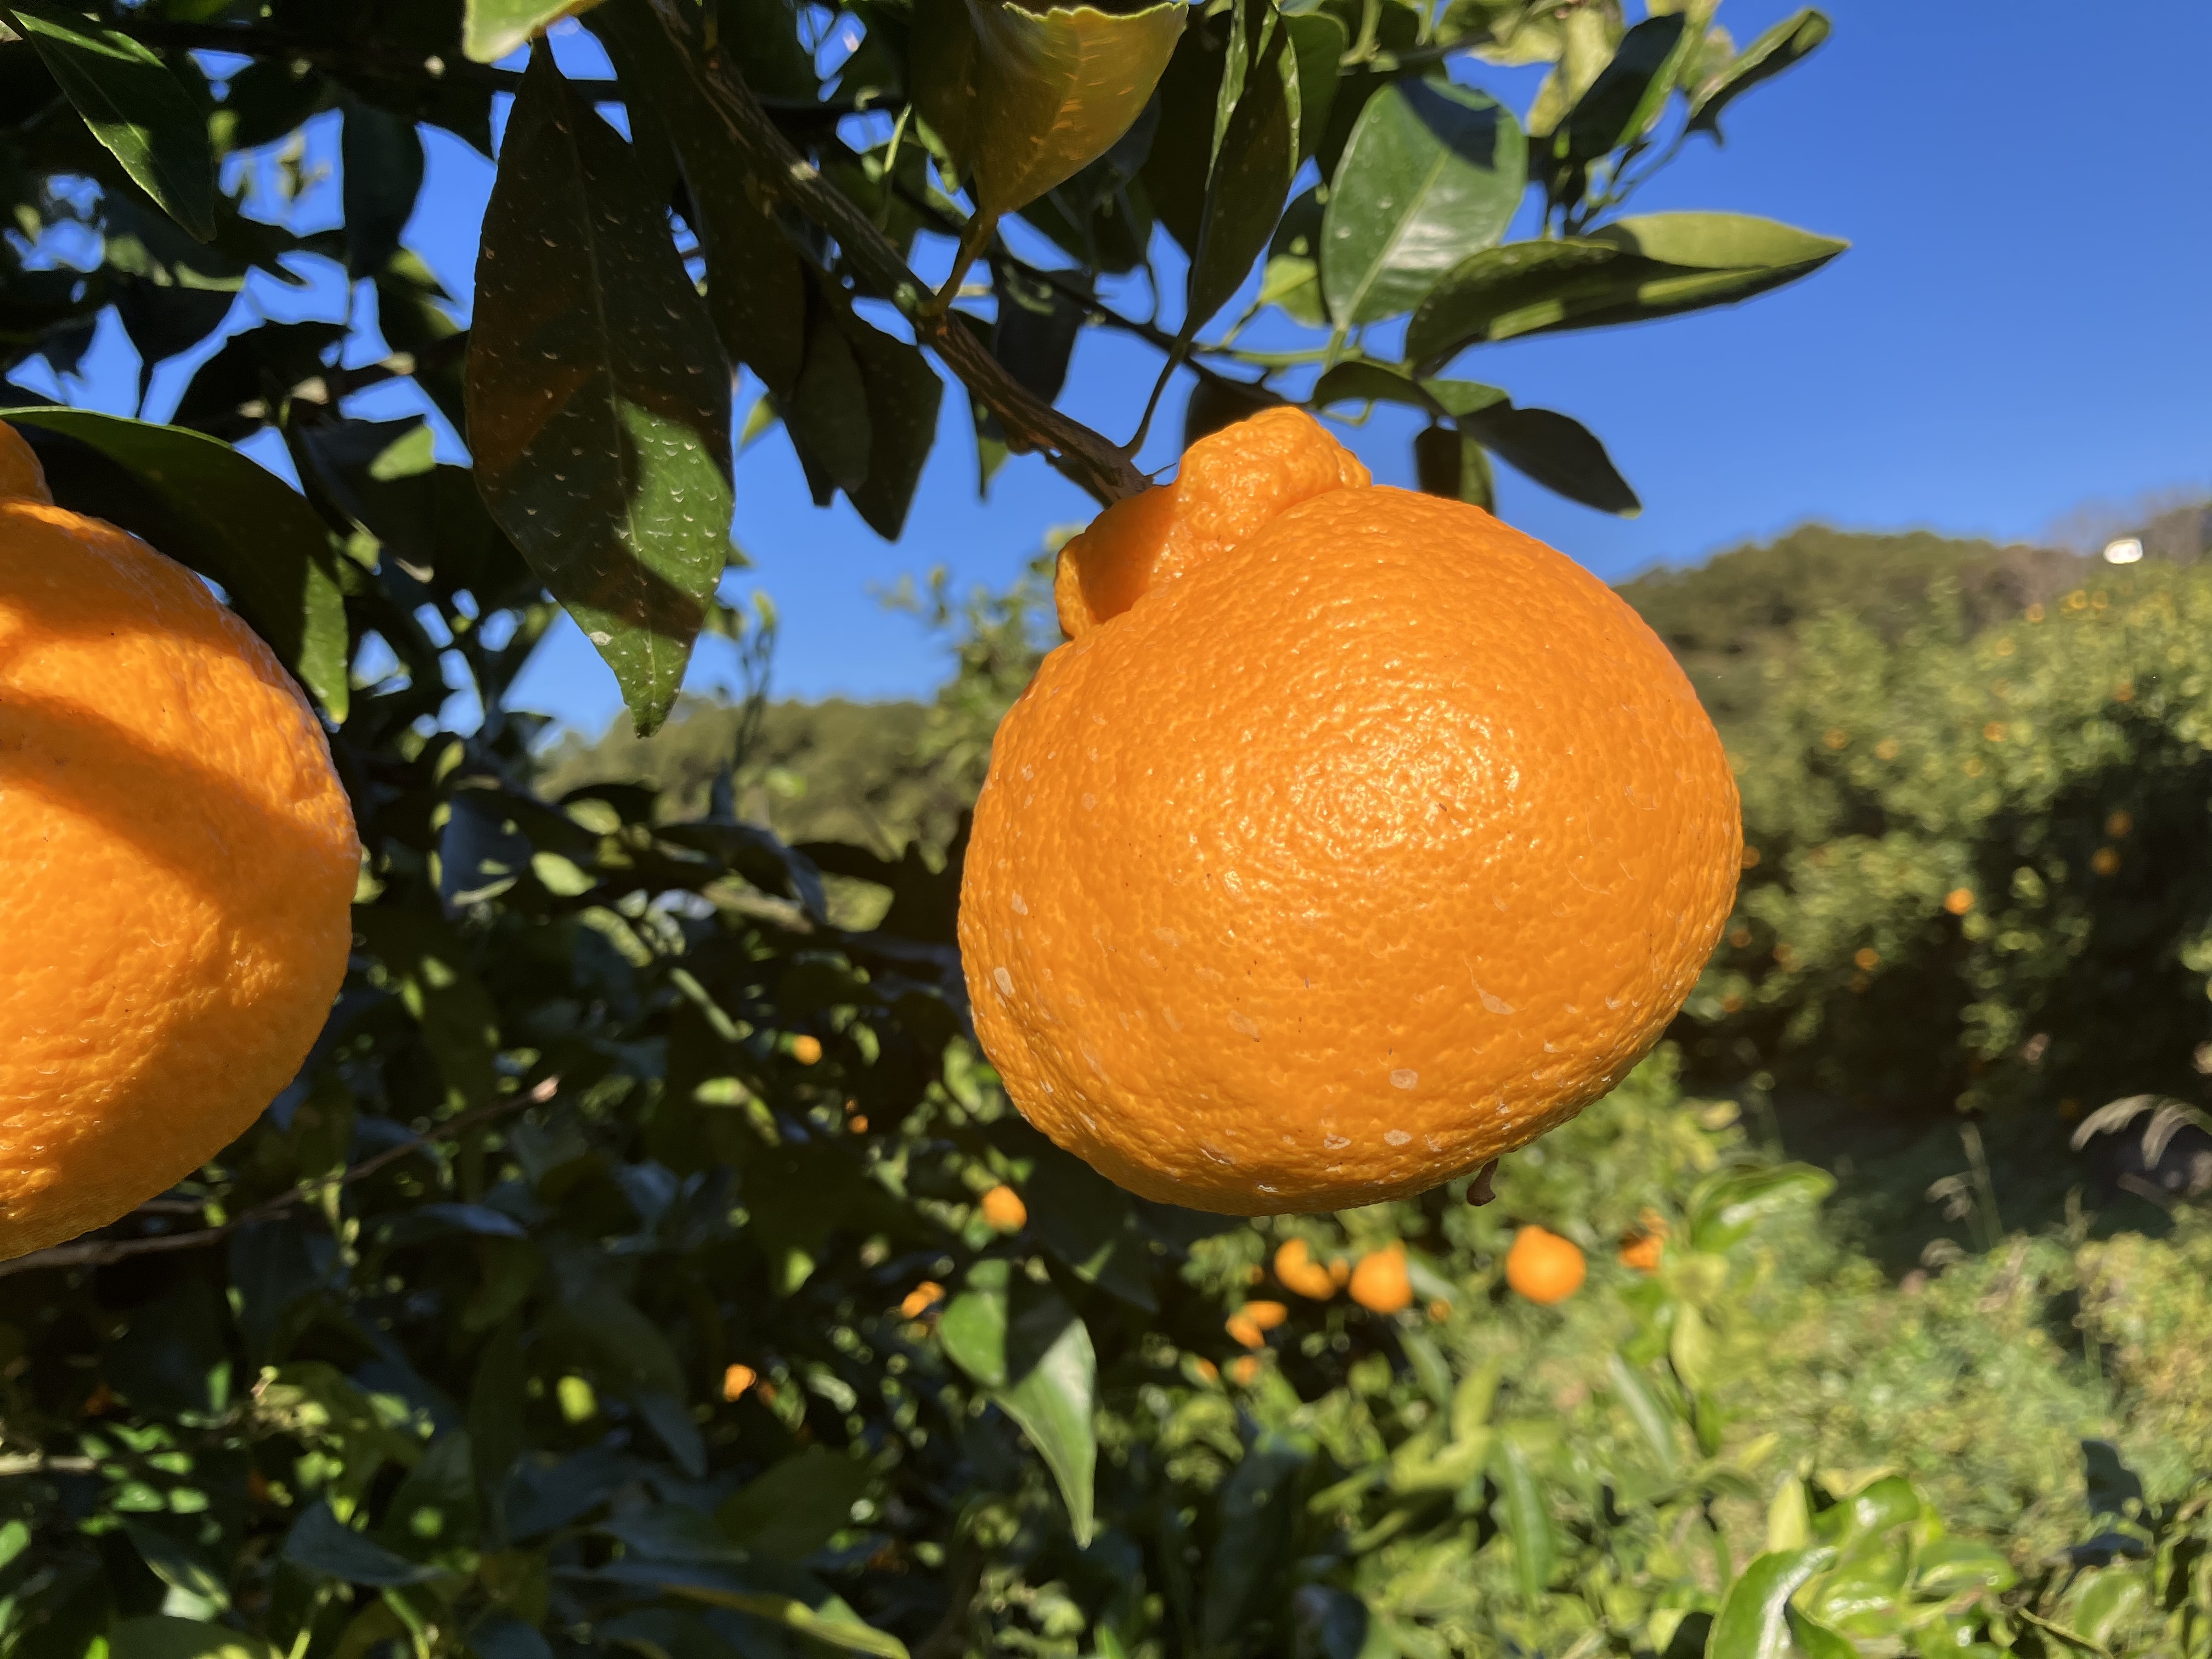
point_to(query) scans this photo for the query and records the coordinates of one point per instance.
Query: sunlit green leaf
(1753, 1622)
(598, 396)
(133, 105)
(1433, 174)
(492, 28)
(1785, 43)
(1022, 97)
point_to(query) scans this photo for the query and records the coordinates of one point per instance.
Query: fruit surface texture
(177, 870)
(1353, 839)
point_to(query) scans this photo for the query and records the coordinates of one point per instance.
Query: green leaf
(216, 511)
(598, 395)
(1788, 42)
(1433, 174)
(1023, 97)
(755, 280)
(1318, 41)
(1252, 158)
(1631, 271)
(1259, 1526)
(177, 1562)
(902, 393)
(1450, 463)
(1555, 450)
(1754, 1621)
(155, 1637)
(1814, 1640)
(1653, 1420)
(458, 1023)
(320, 1542)
(1090, 1223)
(1525, 1515)
(134, 106)
(1951, 1566)
(1628, 92)
(798, 1506)
(1033, 1356)
(1725, 1212)
(492, 28)
(381, 154)
(1690, 1347)
(496, 1406)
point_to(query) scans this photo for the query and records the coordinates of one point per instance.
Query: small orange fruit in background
(1295, 1268)
(1244, 1330)
(1003, 1208)
(806, 1050)
(921, 1299)
(737, 1379)
(1381, 1283)
(177, 870)
(1543, 1267)
(1353, 839)
(1643, 1248)
(1244, 1369)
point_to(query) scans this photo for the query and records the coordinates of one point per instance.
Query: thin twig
(36, 1463)
(100, 1253)
(1086, 456)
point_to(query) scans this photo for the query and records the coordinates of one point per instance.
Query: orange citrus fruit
(1353, 839)
(1003, 1208)
(177, 870)
(1381, 1283)
(921, 1299)
(1295, 1268)
(1245, 1330)
(806, 1050)
(1543, 1267)
(736, 1379)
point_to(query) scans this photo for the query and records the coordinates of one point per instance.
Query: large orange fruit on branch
(177, 869)
(1353, 839)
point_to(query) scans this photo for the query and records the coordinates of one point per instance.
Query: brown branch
(1092, 460)
(101, 1251)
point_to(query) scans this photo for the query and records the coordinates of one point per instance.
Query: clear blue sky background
(2020, 329)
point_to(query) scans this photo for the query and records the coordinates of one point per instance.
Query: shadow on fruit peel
(191, 821)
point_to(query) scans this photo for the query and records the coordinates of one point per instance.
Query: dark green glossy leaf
(496, 1406)
(1631, 271)
(1754, 1621)
(755, 280)
(1448, 463)
(1023, 97)
(1090, 1224)
(1254, 155)
(381, 155)
(178, 1561)
(134, 106)
(901, 392)
(1259, 1521)
(1628, 92)
(321, 1543)
(226, 516)
(1027, 1348)
(796, 1507)
(1215, 403)
(1318, 41)
(492, 28)
(1788, 42)
(1556, 450)
(1433, 174)
(598, 396)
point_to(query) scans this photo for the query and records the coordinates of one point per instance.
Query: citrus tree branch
(1088, 457)
(100, 1252)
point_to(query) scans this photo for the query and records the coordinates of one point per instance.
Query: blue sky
(2019, 330)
